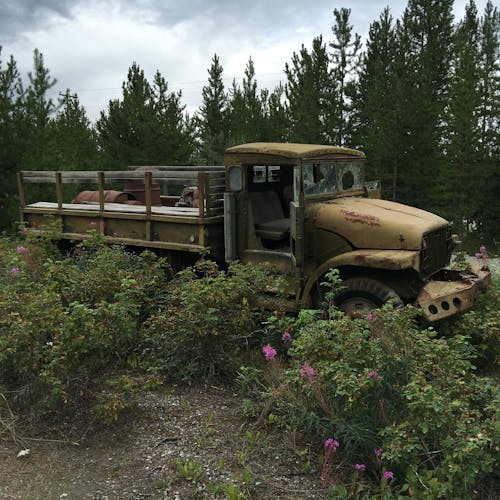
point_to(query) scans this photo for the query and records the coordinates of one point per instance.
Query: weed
(189, 469)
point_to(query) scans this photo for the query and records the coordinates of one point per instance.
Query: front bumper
(451, 292)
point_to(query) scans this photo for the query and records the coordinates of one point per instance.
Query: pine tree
(489, 118)
(346, 60)
(11, 139)
(425, 41)
(490, 81)
(277, 120)
(377, 105)
(37, 111)
(146, 127)
(247, 121)
(212, 118)
(308, 92)
(458, 194)
(174, 132)
(124, 132)
(74, 144)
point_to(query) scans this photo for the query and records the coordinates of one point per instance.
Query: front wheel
(360, 295)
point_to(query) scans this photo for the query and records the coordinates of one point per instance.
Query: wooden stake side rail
(210, 183)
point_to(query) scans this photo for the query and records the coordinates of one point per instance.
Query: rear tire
(361, 295)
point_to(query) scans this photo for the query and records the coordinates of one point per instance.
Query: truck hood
(373, 223)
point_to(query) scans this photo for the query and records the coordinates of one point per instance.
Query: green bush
(66, 321)
(482, 324)
(385, 383)
(208, 322)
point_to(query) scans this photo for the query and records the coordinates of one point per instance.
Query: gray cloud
(88, 45)
(17, 16)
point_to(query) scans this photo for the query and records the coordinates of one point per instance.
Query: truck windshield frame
(332, 177)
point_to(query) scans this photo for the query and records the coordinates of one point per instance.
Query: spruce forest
(420, 96)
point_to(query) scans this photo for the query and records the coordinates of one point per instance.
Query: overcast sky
(88, 45)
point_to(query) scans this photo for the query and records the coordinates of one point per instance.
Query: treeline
(421, 99)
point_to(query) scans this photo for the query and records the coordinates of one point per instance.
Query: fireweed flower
(370, 316)
(378, 452)
(269, 352)
(374, 374)
(24, 229)
(286, 338)
(20, 249)
(331, 444)
(388, 475)
(360, 467)
(14, 270)
(92, 224)
(307, 372)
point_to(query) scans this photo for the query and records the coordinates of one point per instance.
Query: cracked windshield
(321, 178)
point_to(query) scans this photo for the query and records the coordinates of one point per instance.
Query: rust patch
(360, 259)
(357, 218)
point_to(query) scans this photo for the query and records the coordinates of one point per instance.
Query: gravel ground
(180, 443)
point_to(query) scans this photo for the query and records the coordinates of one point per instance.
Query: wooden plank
(148, 183)
(194, 168)
(100, 187)
(138, 242)
(90, 177)
(202, 193)
(116, 207)
(221, 184)
(20, 188)
(59, 190)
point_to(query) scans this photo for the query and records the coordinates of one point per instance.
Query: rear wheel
(364, 294)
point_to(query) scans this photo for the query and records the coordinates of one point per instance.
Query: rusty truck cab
(269, 186)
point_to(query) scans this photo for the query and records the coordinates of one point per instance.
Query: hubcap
(355, 305)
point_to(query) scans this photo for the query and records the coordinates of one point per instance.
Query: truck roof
(292, 150)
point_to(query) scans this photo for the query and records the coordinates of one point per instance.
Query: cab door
(297, 212)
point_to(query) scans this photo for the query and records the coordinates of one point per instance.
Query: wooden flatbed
(168, 226)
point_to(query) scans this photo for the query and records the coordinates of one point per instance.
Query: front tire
(364, 294)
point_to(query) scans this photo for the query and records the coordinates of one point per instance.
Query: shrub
(66, 321)
(208, 322)
(385, 383)
(482, 324)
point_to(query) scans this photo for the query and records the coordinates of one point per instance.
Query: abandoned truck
(303, 208)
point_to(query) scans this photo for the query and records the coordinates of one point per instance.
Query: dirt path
(178, 444)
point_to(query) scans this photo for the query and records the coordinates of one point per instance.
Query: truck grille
(436, 250)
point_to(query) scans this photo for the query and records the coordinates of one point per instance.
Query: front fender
(391, 260)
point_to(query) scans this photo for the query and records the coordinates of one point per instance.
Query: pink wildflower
(20, 249)
(286, 337)
(269, 352)
(370, 316)
(360, 467)
(388, 475)
(14, 270)
(482, 255)
(24, 229)
(378, 452)
(374, 374)
(307, 372)
(92, 224)
(331, 444)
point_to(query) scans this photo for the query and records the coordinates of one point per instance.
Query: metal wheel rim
(354, 305)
